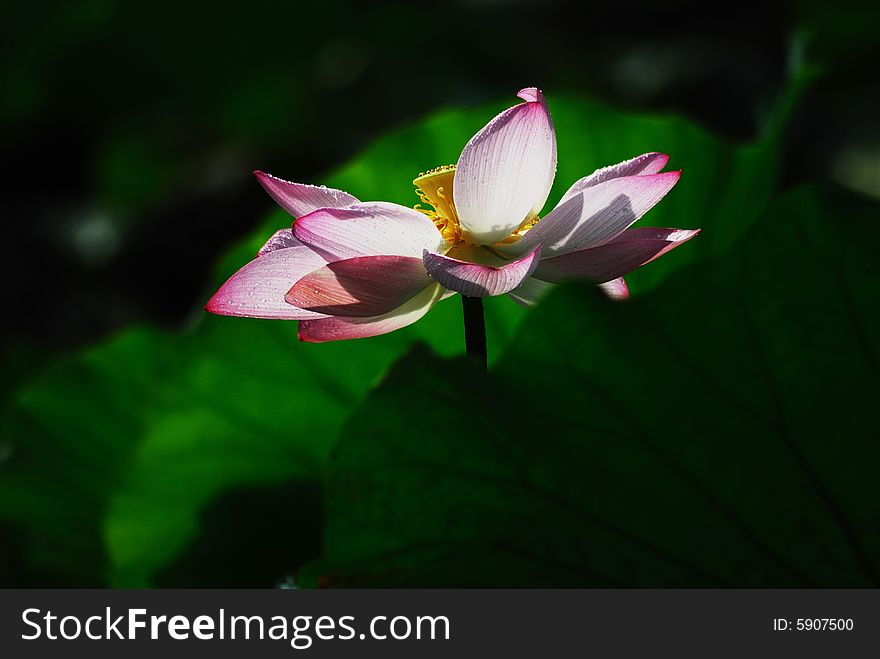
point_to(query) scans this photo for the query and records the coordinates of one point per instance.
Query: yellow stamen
(435, 189)
(519, 233)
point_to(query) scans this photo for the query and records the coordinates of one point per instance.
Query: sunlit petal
(368, 229)
(596, 215)
(258, 289)
(505, 172)
(643, 165)
(299, 199)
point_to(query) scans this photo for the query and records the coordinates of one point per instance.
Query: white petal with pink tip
(300, 199)
(643, 165)
(616, 289)
(627, 252)
(506, 170)
(596, 215)
(281, 239)
(368, 229)
(258, 289)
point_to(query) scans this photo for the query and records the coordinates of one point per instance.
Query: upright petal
(368, 229)
(337, 327)
(362, 286)
(505, 172)
(643, 165)
(614, 259)
(594, 216)
(258, 289)
(477, 280)
(300, 199)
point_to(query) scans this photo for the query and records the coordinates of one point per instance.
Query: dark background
(129, 131)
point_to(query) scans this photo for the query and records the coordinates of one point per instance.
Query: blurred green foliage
(123, 460)
(710, 434)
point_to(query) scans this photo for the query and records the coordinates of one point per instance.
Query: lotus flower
(349, 269)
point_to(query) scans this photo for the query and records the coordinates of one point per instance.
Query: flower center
(519, 233)
(434, 188)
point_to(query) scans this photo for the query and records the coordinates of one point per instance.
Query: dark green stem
(474, 330)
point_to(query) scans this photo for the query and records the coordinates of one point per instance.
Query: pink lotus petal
(300, 199)
(616, 289)
(645, 164)
(476, 280)
(338, 328)
(368, 229)
(360, 287)
(505, 171)
(596, 215)
(530, 291)
(258, 289)
(614, 259)
(531, 95)
(281, 239)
